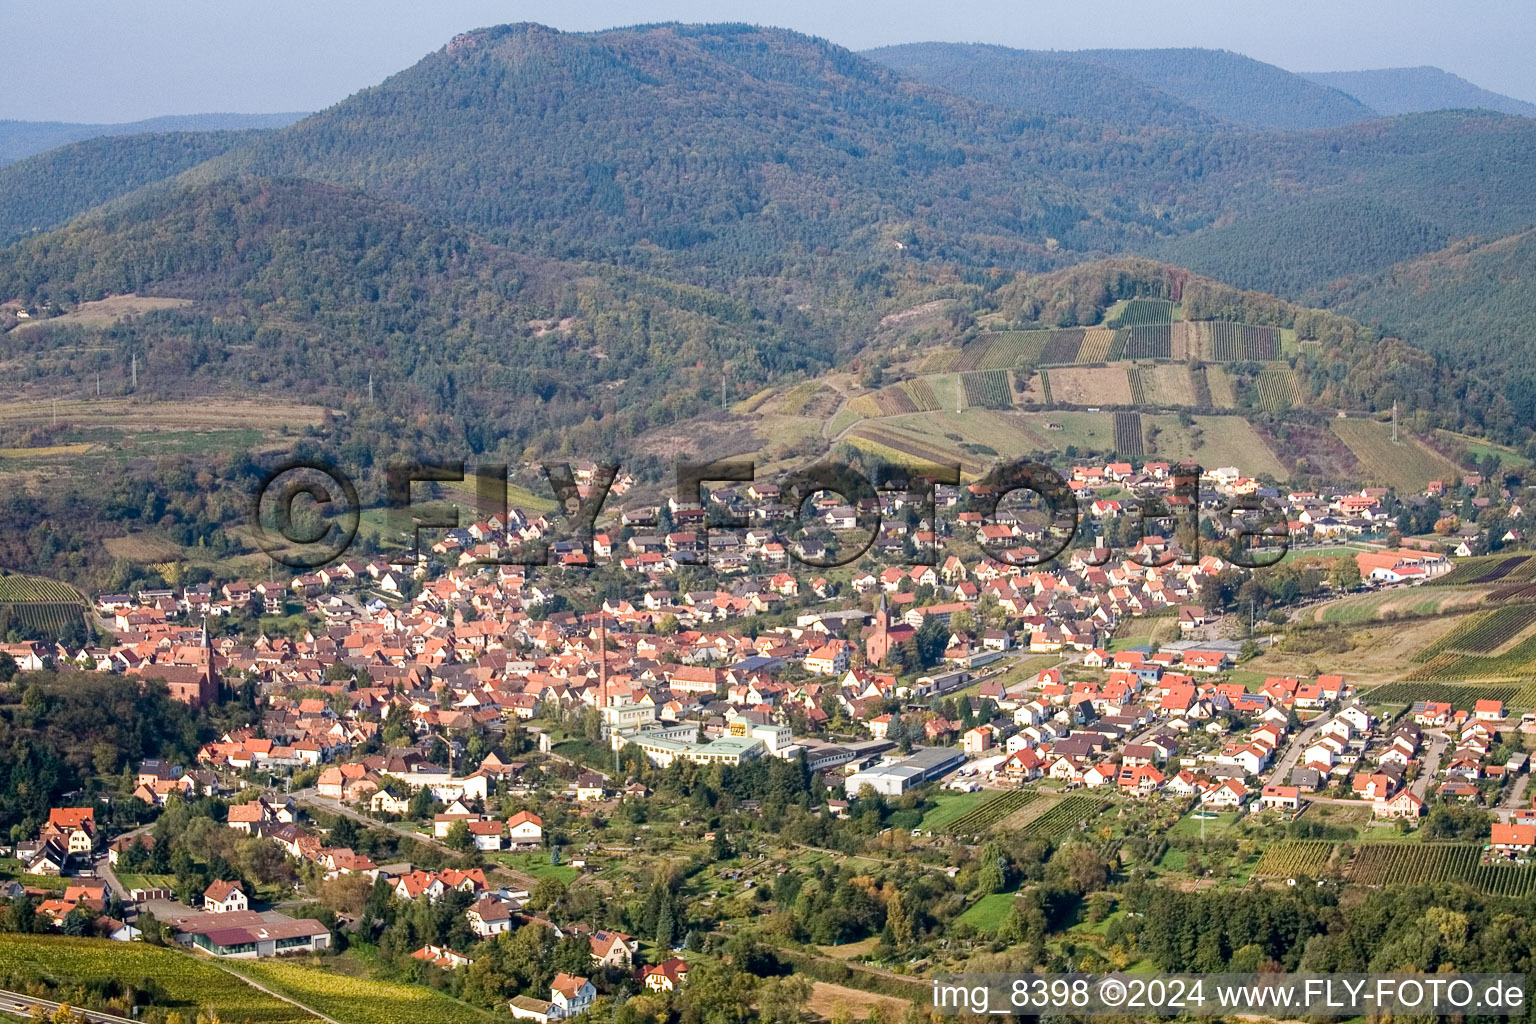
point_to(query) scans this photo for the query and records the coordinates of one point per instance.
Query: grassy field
(1364, 653)
(185, 982)
(1398, 602)
(536, 864)
(1406, 465)
(108, 311)
(953, 806)
(989, 913)
(1214, 441)
(360, 1000)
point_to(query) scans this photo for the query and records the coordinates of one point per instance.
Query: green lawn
(1189, 825)
(138, 881)
(989, 913)
(536, 864)
(953, 806)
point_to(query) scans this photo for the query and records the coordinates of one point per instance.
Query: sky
(100, 61)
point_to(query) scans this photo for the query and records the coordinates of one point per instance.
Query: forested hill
(1190, 87)
(309, 291)
(1055, 84)
(730, 153)
(1411, 90)
(1471, 303)
(23, 138)
(44, 191)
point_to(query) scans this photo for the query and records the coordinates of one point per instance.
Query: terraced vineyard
(1483, 633)
(1297, 857)
(1462, 697)
(1064, 818)
(987, 389)
(1130, 440)
(1144, 312)
(1416, 863)
(1154, 342)
(979, 819)
(1278, 390)
(1095, 347)
(1062, 348)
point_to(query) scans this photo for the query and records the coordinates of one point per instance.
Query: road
(310, 798)
(1434, 749)
(21, 1006)
(1292, 753)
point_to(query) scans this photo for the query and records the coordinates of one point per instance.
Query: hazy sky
(97, 60)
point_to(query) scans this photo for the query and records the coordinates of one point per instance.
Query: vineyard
(1405, 864)
(1203, 399)
(1489, 569)
(1483, 633)
(1129, 438)
(1143, 313)
(1063, 818)
(1045, 387)
(1404, 464)
(895, 444)
(981, 818)
(47, 618)
(921, 393)
(79, 969)
(987, 389)
(361, 1000)
(1278, 390)
(1148, 342)
(25, 589)
(893, 401)
(1457, 696)
(1234, 343)
(1062, 347)
(1002, 350)
(1291, 859)
(1095, 348)
(1517, 661)
(1138, 387)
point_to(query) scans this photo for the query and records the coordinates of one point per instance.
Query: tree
(991, 873)
(459, 838)
(1344, 574)
(547, 893)
(781, 1000)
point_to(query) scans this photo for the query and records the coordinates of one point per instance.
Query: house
(488, 916)
(589, 786)
(666, 976)
(1512, 840)
(571, 994)
(440, 956)
(224, 898)
(1280, 798)
(1228, 793)
(525, 829)
(540, 1011)
(1403, 805)
(613, 949)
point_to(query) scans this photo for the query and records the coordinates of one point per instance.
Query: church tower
(879, 643)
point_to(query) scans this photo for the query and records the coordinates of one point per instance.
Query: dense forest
(1411, 90)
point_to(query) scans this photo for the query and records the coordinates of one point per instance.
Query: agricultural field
(105, 312)
(952, 806)
(1277, 387)
(1143, 313)
(183, 982)
(1130, 441)
(1185, 339)
(922, 395)
(892, 401)
(1223, 391)
(18, 589)
(989, 913)
(1001, 350)
(1171, 384)
(1215, 441)
(987, 389)
(1484, 633)
(1459, 696)
(1063, 818)
(1417, 863)
(1519, 660)
(360, 1000)
(1298, 857)
(1045, 388)
(1233, 343)
(1396, 603)
(988, 813)
(1062, 347)
(1138, 386)
(1406, 465)
(1488, 569)
(40, 603)
(1091, 386)
(1095, 347)
(1148, 342)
